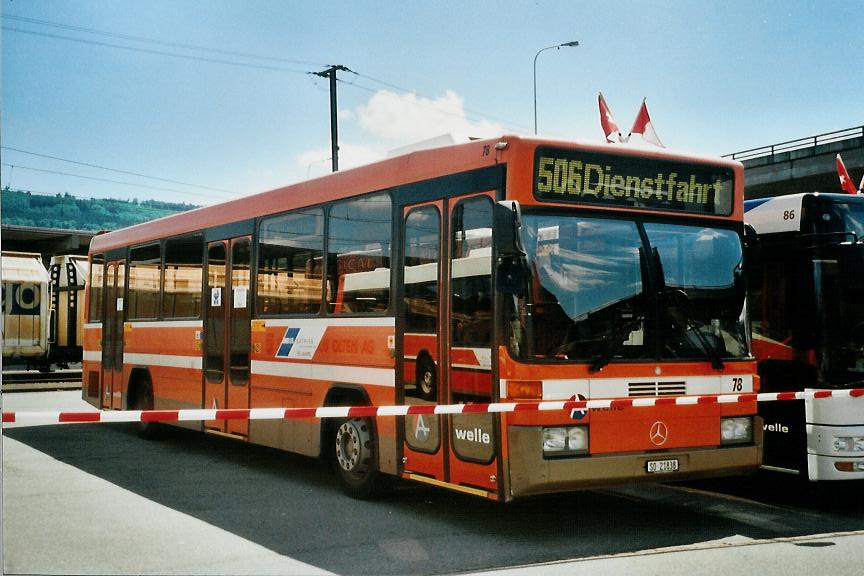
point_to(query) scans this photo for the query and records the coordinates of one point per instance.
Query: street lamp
(557, 47)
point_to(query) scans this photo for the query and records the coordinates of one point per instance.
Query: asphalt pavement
(61, 519)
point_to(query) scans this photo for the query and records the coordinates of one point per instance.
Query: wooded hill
(21, 208)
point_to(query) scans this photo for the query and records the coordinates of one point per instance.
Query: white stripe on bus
(369, 322)
(326, 372)
(165, 360)
(92, 355)
(167, 324)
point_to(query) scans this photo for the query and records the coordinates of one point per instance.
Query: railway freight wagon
(25, 308)
(68, 275)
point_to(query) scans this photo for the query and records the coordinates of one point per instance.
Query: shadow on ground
(290, 504)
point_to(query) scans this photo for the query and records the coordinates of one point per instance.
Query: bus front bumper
(531, 473)
(827, 462)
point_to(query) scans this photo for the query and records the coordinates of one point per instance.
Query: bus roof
(771, 215)
(412, 167)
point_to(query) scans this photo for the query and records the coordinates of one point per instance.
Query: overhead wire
(157, 52)
(127, 172)
(428, 103)
(57, 172)
(143, 39)
(477, 114)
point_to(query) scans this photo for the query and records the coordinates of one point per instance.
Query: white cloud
(316, 162)
(389, 120)
(407, 118)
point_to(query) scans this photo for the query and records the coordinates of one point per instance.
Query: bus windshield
(837, 259)
(590, 295)
(839, 218)
(839, 286)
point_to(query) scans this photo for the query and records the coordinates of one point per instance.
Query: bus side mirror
(512, 263)
(507, 222)
(751, 246)
(512, 275)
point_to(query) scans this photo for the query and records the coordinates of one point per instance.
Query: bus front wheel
(354, 458)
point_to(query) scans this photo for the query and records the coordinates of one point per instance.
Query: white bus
(806, 302)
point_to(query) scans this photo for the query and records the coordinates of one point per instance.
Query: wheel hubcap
(352, 440)
(426, 382)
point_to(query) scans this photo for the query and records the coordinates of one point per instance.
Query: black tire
(426, 380)
(354, 458)
(143, 400)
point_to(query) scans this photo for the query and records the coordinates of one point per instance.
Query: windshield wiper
(616, 343)
(620, 336)
(683, 304)
(690, 325)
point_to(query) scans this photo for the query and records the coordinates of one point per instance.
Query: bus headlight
(565, 441)
(737, 430)
(849, 443)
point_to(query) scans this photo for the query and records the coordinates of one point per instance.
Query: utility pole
(334, 130)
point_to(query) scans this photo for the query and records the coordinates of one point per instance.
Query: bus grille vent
(640, 389)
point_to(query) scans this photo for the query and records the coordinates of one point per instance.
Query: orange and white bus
(501, 270)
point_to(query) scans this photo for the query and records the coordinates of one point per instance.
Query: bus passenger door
(227, 332)
(447, 341)
(112, 336)
(424, 447)
(474, 441)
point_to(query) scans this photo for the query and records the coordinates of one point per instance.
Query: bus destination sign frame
(617, 180)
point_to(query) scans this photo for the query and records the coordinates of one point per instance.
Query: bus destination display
(636, 182)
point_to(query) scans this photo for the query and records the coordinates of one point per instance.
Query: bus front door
(227, 332)
(113, 315)
(447, 342)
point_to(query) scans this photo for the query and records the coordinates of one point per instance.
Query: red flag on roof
(610, 128)
(642, 125)
(845, 182)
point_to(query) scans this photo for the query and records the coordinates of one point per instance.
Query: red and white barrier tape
(373, 411)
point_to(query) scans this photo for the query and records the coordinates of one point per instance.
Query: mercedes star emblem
(659, 433)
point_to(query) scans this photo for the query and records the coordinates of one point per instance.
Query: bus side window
(358, 255)
(471, 285)
(421, 270)
(184, 257)
(95, 288)
(145, 268)
(290, 256)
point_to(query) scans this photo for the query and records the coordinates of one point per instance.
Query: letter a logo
(421, 431)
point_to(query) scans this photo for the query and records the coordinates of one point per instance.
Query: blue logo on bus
(576, 413)
(287, 342)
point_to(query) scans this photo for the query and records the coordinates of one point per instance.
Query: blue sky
(719, 77)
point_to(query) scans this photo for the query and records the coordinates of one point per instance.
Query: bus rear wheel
(354, 458)
(426, 384)
(143, 400)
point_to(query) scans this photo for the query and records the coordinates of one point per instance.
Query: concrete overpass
(803, 165)
(47, 241)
